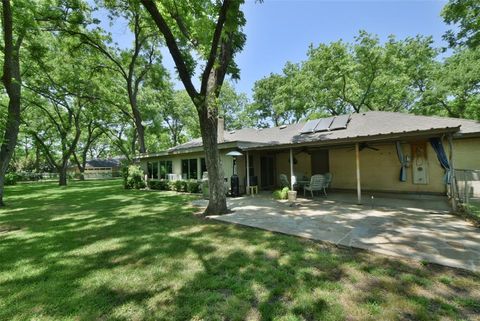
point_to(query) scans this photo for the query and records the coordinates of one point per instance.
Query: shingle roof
(112, 162)
(374, 123)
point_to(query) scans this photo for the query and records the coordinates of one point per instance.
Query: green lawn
(94, 251)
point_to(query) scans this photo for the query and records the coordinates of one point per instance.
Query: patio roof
(368, 126)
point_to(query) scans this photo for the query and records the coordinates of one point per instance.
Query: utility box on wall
(419, 163)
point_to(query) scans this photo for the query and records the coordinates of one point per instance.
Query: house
(100, 168)
(378, 151)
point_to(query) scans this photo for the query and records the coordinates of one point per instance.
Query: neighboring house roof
(369, 126)
(112, 162)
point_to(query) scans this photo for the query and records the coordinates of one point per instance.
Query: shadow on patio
(418, 227)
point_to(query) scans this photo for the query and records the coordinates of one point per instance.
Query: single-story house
(100, 168)
(378, 151)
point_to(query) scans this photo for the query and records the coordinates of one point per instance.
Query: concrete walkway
(416, 232)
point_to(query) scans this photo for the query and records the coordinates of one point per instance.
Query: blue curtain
(403, 162)
(437, 146)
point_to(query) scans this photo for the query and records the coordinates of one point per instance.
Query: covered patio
(419, 229)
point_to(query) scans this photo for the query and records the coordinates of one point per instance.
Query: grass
(93, 251)
(471, 212)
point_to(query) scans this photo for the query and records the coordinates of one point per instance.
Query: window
(189, 168)
(160, 169)
(149, 169)
(203, 166)
(165, 169)
(155, 170)
(152, 169)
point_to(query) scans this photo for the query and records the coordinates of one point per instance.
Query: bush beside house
(189, 186)
(133, 178)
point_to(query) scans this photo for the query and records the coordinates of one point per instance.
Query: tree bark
(211, 82)
(218, 200)
(140, 129)
(62, 175)
(12, 82)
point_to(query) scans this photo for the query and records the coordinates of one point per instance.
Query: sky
(281, 30)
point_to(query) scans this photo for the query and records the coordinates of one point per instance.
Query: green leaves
(454, 88)
(341, 77)
(465, 15)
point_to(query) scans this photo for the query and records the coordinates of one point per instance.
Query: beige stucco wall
(379, 170)
(466, 153)
(467, 156)
(300, 169)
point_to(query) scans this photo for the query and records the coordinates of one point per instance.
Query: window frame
(191, 171)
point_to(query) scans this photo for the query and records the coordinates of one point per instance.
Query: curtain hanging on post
(437, 146)
(403, 162)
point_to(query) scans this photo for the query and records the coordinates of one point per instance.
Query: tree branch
(217, 36)
(172, 47)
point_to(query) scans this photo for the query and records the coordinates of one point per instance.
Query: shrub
(193, 187)
(11, 178)
(180, 186)
(28, 176)
(133, 177)
(161, 185)
(281, 194)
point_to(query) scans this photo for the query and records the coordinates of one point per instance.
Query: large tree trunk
(37, 157)
(140, 132)
(12, 82)
(218, 200)
(62, 176)
(137, 118)
(82, 174)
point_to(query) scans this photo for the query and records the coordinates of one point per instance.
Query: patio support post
(248, 173)
(453, 191)
(357, 161)
(291, 169)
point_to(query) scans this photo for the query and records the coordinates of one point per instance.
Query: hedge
(190, 186)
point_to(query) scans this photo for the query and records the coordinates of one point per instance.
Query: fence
(468, 185)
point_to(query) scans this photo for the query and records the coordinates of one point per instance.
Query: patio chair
(317, 183)
(328, 181)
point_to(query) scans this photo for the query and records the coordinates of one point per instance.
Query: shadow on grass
(96, 251)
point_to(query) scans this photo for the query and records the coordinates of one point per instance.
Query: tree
(91, 132)
(211, 31)
(233, 108)
(264, 108)
(178, 117)
(11, 79)
(339, 78)
(61, 98)
(134, 64)
(465, 14)
(454, 87)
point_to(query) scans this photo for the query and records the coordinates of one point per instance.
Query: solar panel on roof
(340, 122)
(324, 124)
(309, 127)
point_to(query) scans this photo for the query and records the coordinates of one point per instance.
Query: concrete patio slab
(417, 232)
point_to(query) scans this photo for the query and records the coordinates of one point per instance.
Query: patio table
(301, 184)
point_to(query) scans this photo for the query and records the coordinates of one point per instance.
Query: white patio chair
(317, 183)
(328, 181)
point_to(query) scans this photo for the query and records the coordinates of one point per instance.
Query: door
(320, 162)
(267, 172)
